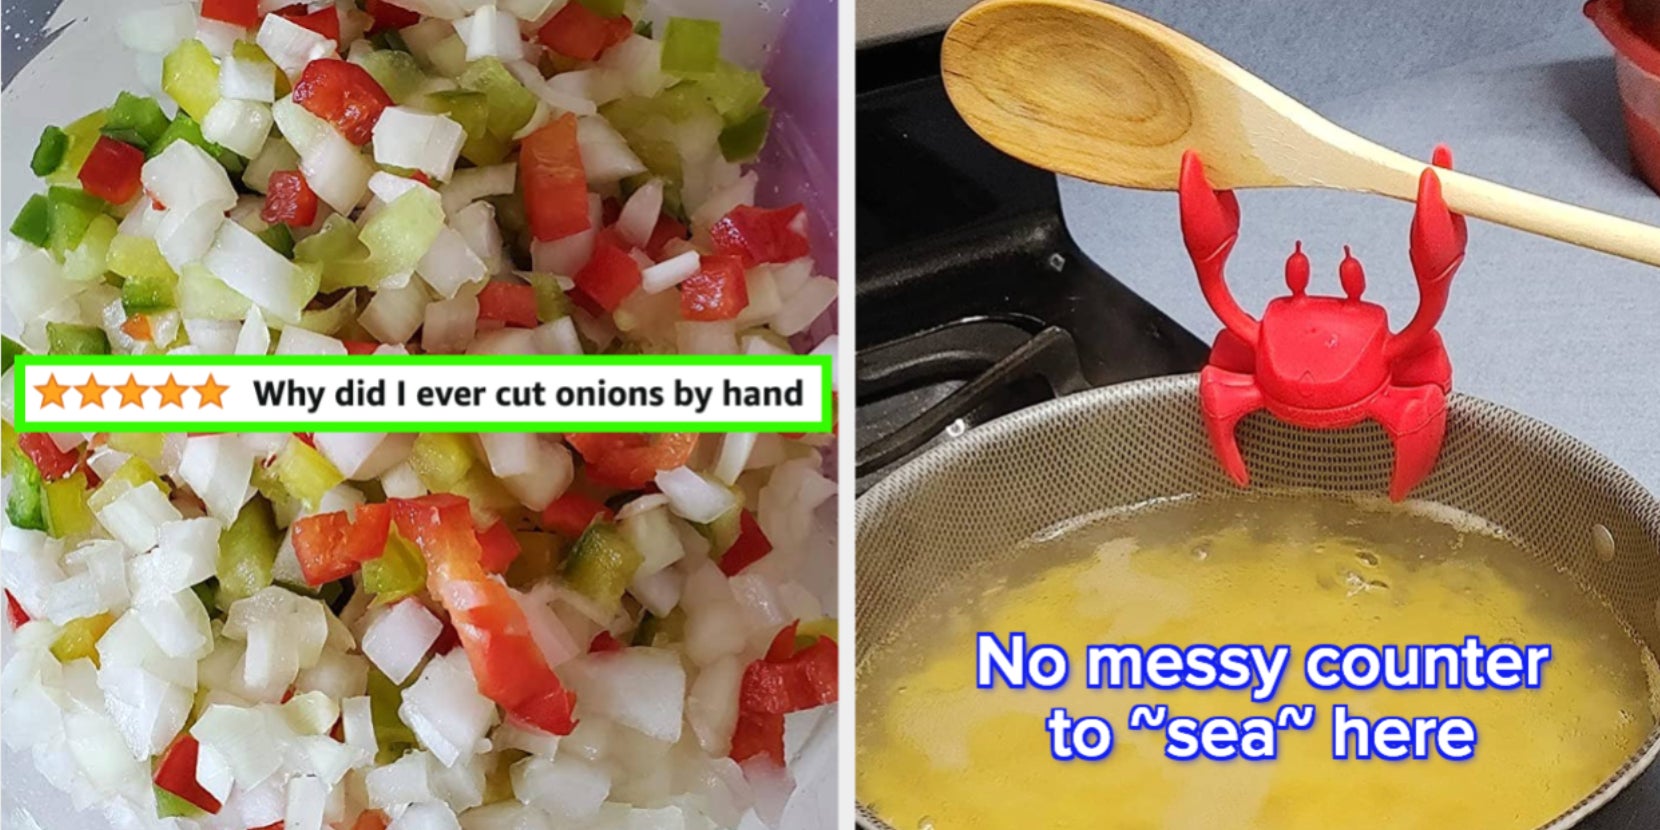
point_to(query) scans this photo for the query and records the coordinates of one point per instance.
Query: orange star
(211, 393)
(132, 392)
(92, 392)
(172, 392)
(51, 392)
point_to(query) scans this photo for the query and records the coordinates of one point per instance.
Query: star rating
(51, 392)
(211, 393)
(172, 392)
(92, 393)
(132, 392)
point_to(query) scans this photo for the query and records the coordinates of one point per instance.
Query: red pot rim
(1610, 19)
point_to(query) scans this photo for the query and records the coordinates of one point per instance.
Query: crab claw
(1210, 218)
(1438, 234)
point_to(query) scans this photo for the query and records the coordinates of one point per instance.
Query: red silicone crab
(1327, 362)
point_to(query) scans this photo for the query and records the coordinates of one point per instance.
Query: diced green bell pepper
(742, 141)
(83, 133)
(68, 338)
(733, 91)
(601, 565)
(441, 459)
(396, 72)
(169, 805)
(136, 120)
(147, 446)
(247, 551)
(149, 283)
(691, 45)
(397, 573)
(393, 736)
(26, 503)
(723, 531)
(190, 76)
(34, 222)
(304, 472)
(278, 238)
(89, 259)
(78, 638)
(660, 631)
(9, 349)
(511, 105)
(203, 295)
(551, 302)
(49, 151)
(133, 473)
(185, 128)
(72, 212)
(472, 111)
(67, 513)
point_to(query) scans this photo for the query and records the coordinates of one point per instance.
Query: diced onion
(669, 273)
(184, 177)
(804, 306)
(290, 45)
(244, 262)
(398, 640)
(336, 171)
(409, 138)
(474, 183)
(449, 325)
(606, 156)
(693, 497)
(639, 215)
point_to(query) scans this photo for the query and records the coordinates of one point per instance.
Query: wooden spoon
(1090, 90)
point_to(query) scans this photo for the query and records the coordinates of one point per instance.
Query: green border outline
(824, 363)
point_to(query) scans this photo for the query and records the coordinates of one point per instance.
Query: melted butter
(934, 751)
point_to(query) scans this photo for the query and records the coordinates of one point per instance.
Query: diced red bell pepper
(751, 545)
(668, 228)
(275, 825)
(52, 462)
(717, 291)
(371, 819)
(307, 438)
(289, 200)
(631, 460)
(610, 275)
(758, 733)
(499, 547)
(783, 643)
(805, 680)
(508, 666)
(609, 211)
(604, 642)
(112, 170)
(552, 177)
(756, 235)
(359, 348)
(577, 31)
(177, 774)
(345, 95)
(511, 303)
(389, 16)
(570, 514)
(325, 21)
(334, 545)
(15, 612)
(244, 13)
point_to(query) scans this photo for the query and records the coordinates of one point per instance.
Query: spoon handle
(1523, 211)
(1548, 217)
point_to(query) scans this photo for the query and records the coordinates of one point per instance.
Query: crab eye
(1296, 271)
(1352, 275)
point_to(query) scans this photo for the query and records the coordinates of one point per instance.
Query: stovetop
(974, 301)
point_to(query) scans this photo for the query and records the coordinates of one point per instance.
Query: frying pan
(947, 512)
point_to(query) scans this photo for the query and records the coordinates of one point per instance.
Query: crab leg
(1437, 249)
(1226, 398)
(1415, 418)
(1210, 226)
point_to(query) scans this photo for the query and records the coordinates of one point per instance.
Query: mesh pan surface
(965, 502)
